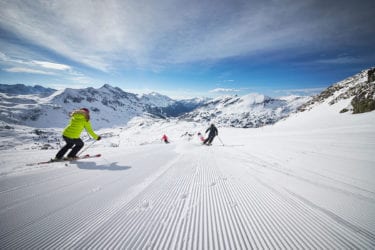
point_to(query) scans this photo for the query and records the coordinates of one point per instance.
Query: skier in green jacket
(80, 119)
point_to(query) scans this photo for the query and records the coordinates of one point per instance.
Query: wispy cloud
(38, 67)
(304, 92)
(139, 33)
(339, 60)
(224, 90)
(227, 81)
(32, 65)
(50, 65)
(12, 60)
(27, 70)
(84, 80)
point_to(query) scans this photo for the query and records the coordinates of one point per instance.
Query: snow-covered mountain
(256, 110)
(42, 107)
(358, 89)
(110, 106)
(164, 106)
(20, 89)
(154, 99)
(252, 110)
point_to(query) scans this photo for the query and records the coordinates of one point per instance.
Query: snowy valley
(303, 181)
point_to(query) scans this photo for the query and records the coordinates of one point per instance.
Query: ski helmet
(86, 110)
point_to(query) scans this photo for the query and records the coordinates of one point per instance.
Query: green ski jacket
(79, 121)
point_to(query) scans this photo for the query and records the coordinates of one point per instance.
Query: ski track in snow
(186, 197)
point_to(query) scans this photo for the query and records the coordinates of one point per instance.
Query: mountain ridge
(21, 89)
(359, 87)
(248, 111)
(111, 106)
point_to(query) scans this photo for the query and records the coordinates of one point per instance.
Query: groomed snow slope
(306, 182)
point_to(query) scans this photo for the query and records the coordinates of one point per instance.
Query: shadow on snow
(92, 166)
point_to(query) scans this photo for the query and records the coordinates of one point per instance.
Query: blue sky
(186, 48)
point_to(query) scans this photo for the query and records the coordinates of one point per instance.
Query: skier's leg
(205, 141)
(78, 144)
(69, 144)
(211, 138)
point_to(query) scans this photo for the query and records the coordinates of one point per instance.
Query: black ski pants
(74, 144)
(209, 139)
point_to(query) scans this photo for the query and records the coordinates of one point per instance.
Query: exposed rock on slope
(360, 88)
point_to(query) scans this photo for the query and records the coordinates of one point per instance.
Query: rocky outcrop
(360, 88)
(364, 100)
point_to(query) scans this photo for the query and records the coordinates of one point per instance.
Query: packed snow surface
(306, 182)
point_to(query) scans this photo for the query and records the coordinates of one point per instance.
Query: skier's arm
(90, 131)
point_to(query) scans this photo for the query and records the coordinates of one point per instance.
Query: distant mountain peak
(254, 98)
(155, 94)
(157, 100)
(107, 87)
(21, 89)
(251, 110)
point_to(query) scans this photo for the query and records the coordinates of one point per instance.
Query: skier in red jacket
(200, 136)
(165, 138)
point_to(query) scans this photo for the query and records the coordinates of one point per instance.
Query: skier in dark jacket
(213, 132)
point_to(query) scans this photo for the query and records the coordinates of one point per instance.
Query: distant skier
(80, 119)
(200, 136)
(165, 138)
(188, 135)
(212, 133)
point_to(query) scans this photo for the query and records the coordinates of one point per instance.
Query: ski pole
(220, 140)
(86, 148)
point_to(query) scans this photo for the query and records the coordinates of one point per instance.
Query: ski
(87, 156)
